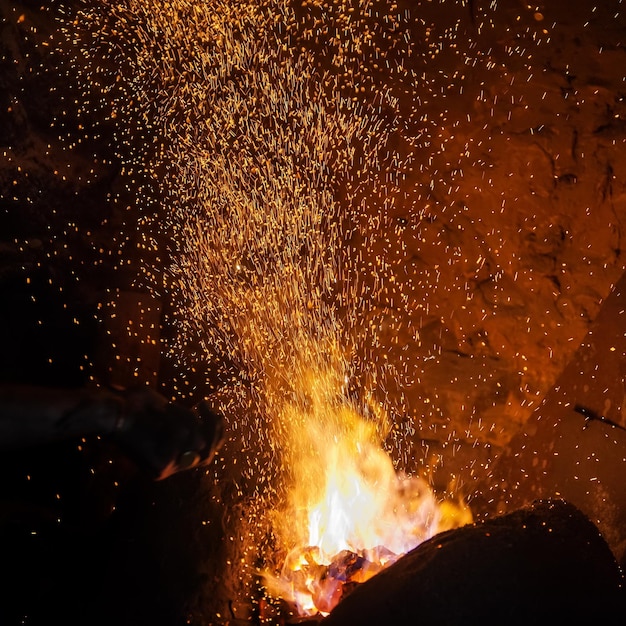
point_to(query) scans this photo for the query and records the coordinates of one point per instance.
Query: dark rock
(546, 563)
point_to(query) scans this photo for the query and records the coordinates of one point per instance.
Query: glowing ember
(350, 513)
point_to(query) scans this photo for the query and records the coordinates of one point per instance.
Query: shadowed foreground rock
(546, 563)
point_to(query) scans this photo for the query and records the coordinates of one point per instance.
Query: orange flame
(350, 513)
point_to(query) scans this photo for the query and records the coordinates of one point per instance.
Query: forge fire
(348, 514)
(383, 238)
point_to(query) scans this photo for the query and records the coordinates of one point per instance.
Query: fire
(351, 514)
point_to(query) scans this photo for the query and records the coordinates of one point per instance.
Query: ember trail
(265, 159)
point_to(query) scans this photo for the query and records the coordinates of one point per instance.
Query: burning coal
(349, 513)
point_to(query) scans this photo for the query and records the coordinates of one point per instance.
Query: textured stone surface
(574, 444)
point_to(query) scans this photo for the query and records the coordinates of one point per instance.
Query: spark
(300, 178)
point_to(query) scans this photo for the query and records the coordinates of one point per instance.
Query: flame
(350, 513)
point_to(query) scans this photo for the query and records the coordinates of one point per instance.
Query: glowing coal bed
(312, 583)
